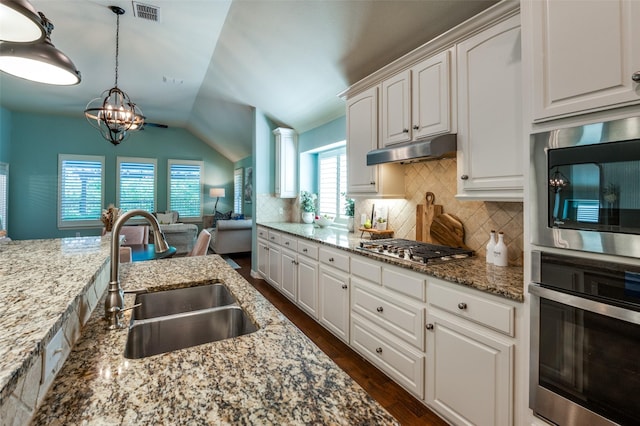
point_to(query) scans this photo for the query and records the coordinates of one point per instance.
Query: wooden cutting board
(447, 230)
(425, 213)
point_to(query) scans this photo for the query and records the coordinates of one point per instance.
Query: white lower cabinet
(307, 298)
(275, 269)
(289, 270)
(263, 258)
(334, 301)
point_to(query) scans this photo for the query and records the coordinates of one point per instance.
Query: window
(332, 183)
(4, 197)
(237, 191)
(136, 184)
(185, 188)
(80, 190)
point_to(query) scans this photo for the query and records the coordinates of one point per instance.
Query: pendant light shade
(20, 22)
(113, 113)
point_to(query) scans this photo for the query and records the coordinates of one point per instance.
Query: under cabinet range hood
(428, 149)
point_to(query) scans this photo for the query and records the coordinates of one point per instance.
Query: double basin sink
(169, 320)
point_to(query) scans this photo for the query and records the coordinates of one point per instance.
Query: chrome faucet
(114, 303)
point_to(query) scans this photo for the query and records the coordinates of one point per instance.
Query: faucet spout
(114, 303)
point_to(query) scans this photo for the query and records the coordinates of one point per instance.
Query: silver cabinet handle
(304, 250)
(286, 243)
(462, 306)
(344, 286)
(372, 183)
(464, 177)
(379, 309)
(405, 130)
(429, 326)
(379, 350)
(331, 259)
(416, 127)
(636, 77)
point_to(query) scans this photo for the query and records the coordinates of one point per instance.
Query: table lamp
(216, 192)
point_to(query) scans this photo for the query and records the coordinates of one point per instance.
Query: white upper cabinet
(490, 136)
(362, 136)
(585, 55)
(416, 103)
(286, 163)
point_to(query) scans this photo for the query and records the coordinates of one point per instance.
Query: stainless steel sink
(172, 302)
(169, 333)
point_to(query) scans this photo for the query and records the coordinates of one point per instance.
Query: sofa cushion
(235, 224)
(221, 216)
(165, 218)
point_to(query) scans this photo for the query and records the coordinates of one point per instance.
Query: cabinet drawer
(289, 242)
(274, 237)
(492, 314)
(263, 233)
(370, 270)
(400, 362)
(335, 259)
(308, 249)
(403, 281)
(402, 318)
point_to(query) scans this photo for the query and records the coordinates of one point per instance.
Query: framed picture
(248, 185)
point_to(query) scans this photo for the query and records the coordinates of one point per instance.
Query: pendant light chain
(117, 45)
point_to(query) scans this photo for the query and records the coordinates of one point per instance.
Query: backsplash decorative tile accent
(478, 217)
(268, 208)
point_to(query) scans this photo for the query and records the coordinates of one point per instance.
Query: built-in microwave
(586, 187)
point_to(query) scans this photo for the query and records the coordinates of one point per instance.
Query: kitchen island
(275, 375)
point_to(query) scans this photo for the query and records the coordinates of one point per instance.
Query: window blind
(4, 195)
(237, 191)
(185, 195)
(81, 181)
(332, 169)
(136, 184)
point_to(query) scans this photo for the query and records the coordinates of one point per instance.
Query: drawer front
(308, 249)
(409, 283)
(274, 237)
(370, 270)
(402, 318)
(492, 314)
(289, 242)
(404, 365)
(335, 259)
(263, 233)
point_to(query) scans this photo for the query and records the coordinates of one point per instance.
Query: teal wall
(5, 135)
(329, 133)
(36, 140)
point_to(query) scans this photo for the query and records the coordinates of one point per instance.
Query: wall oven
(586, 188)
(585, 341)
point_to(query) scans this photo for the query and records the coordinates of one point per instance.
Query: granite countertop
(41, 283)
(506, 282)
(273, 376)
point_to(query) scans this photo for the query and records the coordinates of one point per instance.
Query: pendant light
(113, 113)
(30, 53)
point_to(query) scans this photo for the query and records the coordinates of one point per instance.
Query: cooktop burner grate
(415, 251)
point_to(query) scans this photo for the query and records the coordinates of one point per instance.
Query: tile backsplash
(478, 217)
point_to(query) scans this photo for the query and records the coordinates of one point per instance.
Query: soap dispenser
(491, 246)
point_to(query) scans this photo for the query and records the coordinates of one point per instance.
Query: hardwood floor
(402, 405)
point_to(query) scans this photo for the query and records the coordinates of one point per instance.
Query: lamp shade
(20, 22)
(216, 192)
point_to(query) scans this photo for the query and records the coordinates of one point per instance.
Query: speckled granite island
(273, 376)
(507, 282)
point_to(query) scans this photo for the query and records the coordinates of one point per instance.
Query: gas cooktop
(414, 251)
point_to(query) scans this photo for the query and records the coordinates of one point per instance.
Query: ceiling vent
(146, 11)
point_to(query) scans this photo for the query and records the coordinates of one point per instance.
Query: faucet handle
(115, 316)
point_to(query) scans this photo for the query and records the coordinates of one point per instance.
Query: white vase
(381, 226)
(307, 217)
(350, 224)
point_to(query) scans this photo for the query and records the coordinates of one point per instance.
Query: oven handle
(601, 308)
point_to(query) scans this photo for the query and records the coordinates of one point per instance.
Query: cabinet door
(490, 139)
(263, 258)
(334, 302)
(286, 163)
(362, 137)
(585, 54)
(289, 271)
(308, 286)
(275, 269)
(431, 102)
(396, 109)
(469, 377)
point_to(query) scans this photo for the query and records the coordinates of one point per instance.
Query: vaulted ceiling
(206, 63)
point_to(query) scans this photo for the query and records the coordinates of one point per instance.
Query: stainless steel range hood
(428, 149)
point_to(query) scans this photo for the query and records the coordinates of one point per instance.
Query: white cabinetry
(386, 180)
(307, 297)
(584, 55)
(416, 103)
(333, 286)
(286, 179)
(469, 378)
(263, 257)
(490, 142)
(289, 265)
(270, 256)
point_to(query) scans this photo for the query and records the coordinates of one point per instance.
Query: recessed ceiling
(206, 64)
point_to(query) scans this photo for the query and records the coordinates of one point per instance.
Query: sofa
(231, 236)
(182, 236)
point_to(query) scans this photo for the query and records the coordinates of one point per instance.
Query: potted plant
(308, 206)
(382, 224)
(349, 210)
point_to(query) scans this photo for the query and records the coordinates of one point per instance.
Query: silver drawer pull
(636, 77)
(286, 243)
(379, 350)
(379, 309)
(429, 326)
(331, 259)
(304, 250)
(344, 286)
(462, 306)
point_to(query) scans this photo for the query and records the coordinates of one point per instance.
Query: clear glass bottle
(490, 246)
(500, 255)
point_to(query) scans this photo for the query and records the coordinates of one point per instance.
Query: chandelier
(113, 113)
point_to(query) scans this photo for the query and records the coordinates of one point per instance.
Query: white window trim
(141, 160)
(188, 163)
(79, 223)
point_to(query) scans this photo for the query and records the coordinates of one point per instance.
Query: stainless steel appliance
(586, 188)
(585, 341)
(414, 251)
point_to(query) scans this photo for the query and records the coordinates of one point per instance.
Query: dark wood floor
(404, 407)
